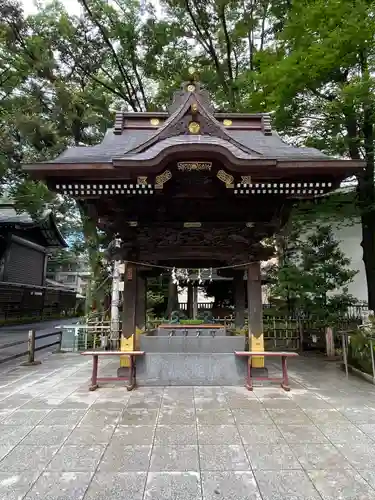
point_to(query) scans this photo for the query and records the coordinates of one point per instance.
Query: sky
(72, 6)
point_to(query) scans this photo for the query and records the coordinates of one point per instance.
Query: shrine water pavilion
(192, 188)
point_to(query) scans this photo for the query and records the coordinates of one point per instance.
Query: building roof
(44, 228)
(146, 138)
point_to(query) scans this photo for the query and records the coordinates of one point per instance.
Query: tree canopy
(308, 62)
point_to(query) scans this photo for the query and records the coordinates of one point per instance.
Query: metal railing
(31, 348)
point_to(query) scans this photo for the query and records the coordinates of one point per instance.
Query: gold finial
(194, 107)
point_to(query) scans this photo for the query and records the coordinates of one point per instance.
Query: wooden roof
(144, 142)
(43, 231)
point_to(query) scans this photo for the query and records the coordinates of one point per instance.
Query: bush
(359, 352)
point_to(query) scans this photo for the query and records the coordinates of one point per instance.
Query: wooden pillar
(255, 311)
(239, 299)
(172, 297)
(195, 302)
(129, 301)
(190, 300)
(140, 309)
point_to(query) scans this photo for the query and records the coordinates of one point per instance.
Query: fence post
(58, 348)
(31, 350)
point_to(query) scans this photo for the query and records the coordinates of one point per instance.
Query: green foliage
(311, 63)
(313, 276)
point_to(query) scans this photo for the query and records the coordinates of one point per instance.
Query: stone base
(259, 372)
(186, 369)
(31, 363)
(123, 371)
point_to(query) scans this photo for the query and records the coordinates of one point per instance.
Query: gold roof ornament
(194, 127)
(227, 122)
(190, 87)
(194, 107)
(154, 121)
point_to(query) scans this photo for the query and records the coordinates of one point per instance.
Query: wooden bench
(95, 357)
(269, 354)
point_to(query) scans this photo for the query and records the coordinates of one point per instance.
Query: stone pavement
(58, 441)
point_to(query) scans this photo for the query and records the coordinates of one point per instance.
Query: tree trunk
(366, 191)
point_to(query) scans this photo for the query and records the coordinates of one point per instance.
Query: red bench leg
(249, 383)
(285, 382)
(94, 377)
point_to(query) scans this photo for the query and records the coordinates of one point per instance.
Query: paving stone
(245, 403)
(77, 458)
(295, 433)
(286, 485)
(358, 454)
(208, 403)
(125, 458)
(268, 393)
(176, 485)
(27, 457)
(60, 486)
(174, 458)
(360, 415)
(175, 434)
(211, 392)
(368, 429)
(311, 402)
(330, 416)
(100, 418)
(48, 435)
(271, 456)
(5, 449)
(134, 434)
(12, 435)
(88, 435)
(230, 485)
(342, 485)
(369, 476)
(223, 458)
(218, 434)
(319, 456)
(13, 486)
(176, 415)
(42, 404)
(246, 417)
(342, 433)
(279, 404)
(138, 416)
(214, 417)
(289, 417)
(63, 417)
(25, 417)
(117, 485)
(258, 433)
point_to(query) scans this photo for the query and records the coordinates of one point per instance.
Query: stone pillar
(141, 303)
(239, 299)
(190, 299)
(255, 311)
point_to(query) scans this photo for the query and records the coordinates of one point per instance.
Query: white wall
(350, 238)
